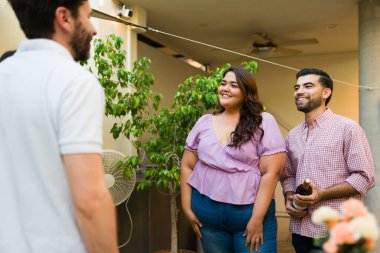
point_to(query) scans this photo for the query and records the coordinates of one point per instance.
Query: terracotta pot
(179, 251)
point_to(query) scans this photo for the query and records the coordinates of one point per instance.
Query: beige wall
(168, 72)
(276, 85)
(10, 31)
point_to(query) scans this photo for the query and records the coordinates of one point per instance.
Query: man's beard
(310, 105)
(81, 43)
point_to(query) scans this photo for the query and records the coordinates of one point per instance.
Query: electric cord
(131, 222)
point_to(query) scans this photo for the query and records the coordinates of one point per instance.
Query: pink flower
(325, 214)
(366, 227)
(330, 246)
(342, 233)
(353, 208)
(356, 227)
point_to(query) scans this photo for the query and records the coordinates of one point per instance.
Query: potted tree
(167, 128)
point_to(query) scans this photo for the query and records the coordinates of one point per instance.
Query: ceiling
(235, 24)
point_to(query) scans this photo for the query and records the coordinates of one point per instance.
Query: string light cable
(99, 14)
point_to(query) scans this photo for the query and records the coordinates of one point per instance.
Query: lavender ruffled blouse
(228, 174)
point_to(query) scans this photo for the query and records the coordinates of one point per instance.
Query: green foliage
(128, 93)
(170, 127)
(129, 96)
(251, 66)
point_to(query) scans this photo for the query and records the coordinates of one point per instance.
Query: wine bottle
(305, 190)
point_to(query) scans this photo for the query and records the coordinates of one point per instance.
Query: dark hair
(324, 79)
(250, 113)
(36, 16)
(7, 54)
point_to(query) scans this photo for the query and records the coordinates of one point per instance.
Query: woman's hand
(254, 234)
(194, 222)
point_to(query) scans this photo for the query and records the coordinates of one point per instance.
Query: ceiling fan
(264, 45)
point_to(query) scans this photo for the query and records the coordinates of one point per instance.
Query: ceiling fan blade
(262, 53)
(298, 42)
(287, 51)
(275, 52)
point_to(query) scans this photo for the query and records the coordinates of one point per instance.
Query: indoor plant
(140, 114)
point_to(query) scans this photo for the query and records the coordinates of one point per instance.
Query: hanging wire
(103, 15)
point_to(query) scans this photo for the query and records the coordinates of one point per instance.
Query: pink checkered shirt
(336, 150)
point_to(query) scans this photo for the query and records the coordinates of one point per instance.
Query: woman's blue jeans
(223, 225)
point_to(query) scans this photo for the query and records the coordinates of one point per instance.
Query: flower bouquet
(354, 231)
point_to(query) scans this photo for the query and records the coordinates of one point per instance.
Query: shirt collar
(320, 120)
(45, 45)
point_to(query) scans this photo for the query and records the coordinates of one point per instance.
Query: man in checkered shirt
(329, 149)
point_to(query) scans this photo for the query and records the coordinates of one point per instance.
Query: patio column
(369, 99)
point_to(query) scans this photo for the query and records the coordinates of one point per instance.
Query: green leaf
(251, 66)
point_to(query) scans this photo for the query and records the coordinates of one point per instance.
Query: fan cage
(123, 187)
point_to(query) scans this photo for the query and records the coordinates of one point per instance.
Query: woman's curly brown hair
(250, 113)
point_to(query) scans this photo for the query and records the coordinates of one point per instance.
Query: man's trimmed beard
(310, 105)
(81, 42)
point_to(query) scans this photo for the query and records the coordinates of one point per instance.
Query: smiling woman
(229, 92)
(231, 163)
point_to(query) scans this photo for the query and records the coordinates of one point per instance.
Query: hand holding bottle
(289, 197)
(316, 196)
(303, 189)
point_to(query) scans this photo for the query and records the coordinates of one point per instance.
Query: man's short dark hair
(36, 16)
(324, 78)
(7, 54)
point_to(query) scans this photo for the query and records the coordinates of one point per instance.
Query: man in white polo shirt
(52, 193)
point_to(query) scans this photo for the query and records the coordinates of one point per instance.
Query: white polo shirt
(49, 106)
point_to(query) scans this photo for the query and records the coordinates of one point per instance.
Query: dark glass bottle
(305, 190)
